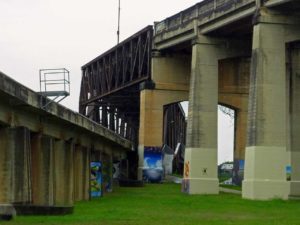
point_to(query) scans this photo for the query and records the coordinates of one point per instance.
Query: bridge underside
(247, 53)
(110, 84)
(243, 54)
(45, 154)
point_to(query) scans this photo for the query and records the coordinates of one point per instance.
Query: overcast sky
(36, 34)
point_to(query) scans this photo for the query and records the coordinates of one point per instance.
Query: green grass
(233, 187)
(224, 176)
(164, 204)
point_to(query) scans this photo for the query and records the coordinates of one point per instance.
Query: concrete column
(170, 74)
(295, 120)
(151, 119)
(240, 145)
(200, 167)
(42, 170)
(15, 169)
(81, 173)
(266, 155)
(106, 160)
(63, 173)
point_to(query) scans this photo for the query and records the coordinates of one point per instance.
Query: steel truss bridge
(110, 88)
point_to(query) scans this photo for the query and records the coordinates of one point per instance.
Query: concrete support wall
(107, 165)
(171, 71)
(170, 74)
(63, 173)
(15, 160)
(295, 120)
(200, 170)
(81, 173)
(42, 170)
(151, 119)
(266, 156)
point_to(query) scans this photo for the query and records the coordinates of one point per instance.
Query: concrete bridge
(45, 154)
(240, 53)
(244, 54)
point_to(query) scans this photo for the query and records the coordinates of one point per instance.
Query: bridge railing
(209, 9)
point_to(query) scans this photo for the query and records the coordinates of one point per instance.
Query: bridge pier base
(200, 168)
(266, 151)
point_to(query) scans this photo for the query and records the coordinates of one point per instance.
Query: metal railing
(54, 84)
(206, 9)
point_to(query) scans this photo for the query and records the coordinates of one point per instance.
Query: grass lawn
(233, 187)
(163, 204)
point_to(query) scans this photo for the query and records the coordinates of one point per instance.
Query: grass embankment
(164, 205)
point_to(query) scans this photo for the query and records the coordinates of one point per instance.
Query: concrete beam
(15, 167)
(20, 106)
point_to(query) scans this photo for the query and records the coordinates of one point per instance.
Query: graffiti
(288, 170)
(187, 169)
(153, 170)
(116, 170)
(96, 179)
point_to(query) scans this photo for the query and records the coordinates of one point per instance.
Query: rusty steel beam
(174, 132)
(120, 67)
(110, 84)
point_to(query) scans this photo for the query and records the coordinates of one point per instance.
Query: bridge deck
(210, 16)
(21, 106)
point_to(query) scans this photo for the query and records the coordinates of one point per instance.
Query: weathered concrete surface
(206, 17)
(171, 71)
(201, 147)
(200, 170)
(42, 150)
(81, 173)
(42, 170)
(151, 118)
(213, 17)
(266, 152)
(15, 165)
(21, 106)
(7, 212)
(170, 74)
(295, 119)
(63, 173)
(234, 75)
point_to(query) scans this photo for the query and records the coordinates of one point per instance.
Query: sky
(41, 34)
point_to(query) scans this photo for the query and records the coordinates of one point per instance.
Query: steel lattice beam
(110, 84)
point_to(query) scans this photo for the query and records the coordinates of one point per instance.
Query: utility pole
(118, 32)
